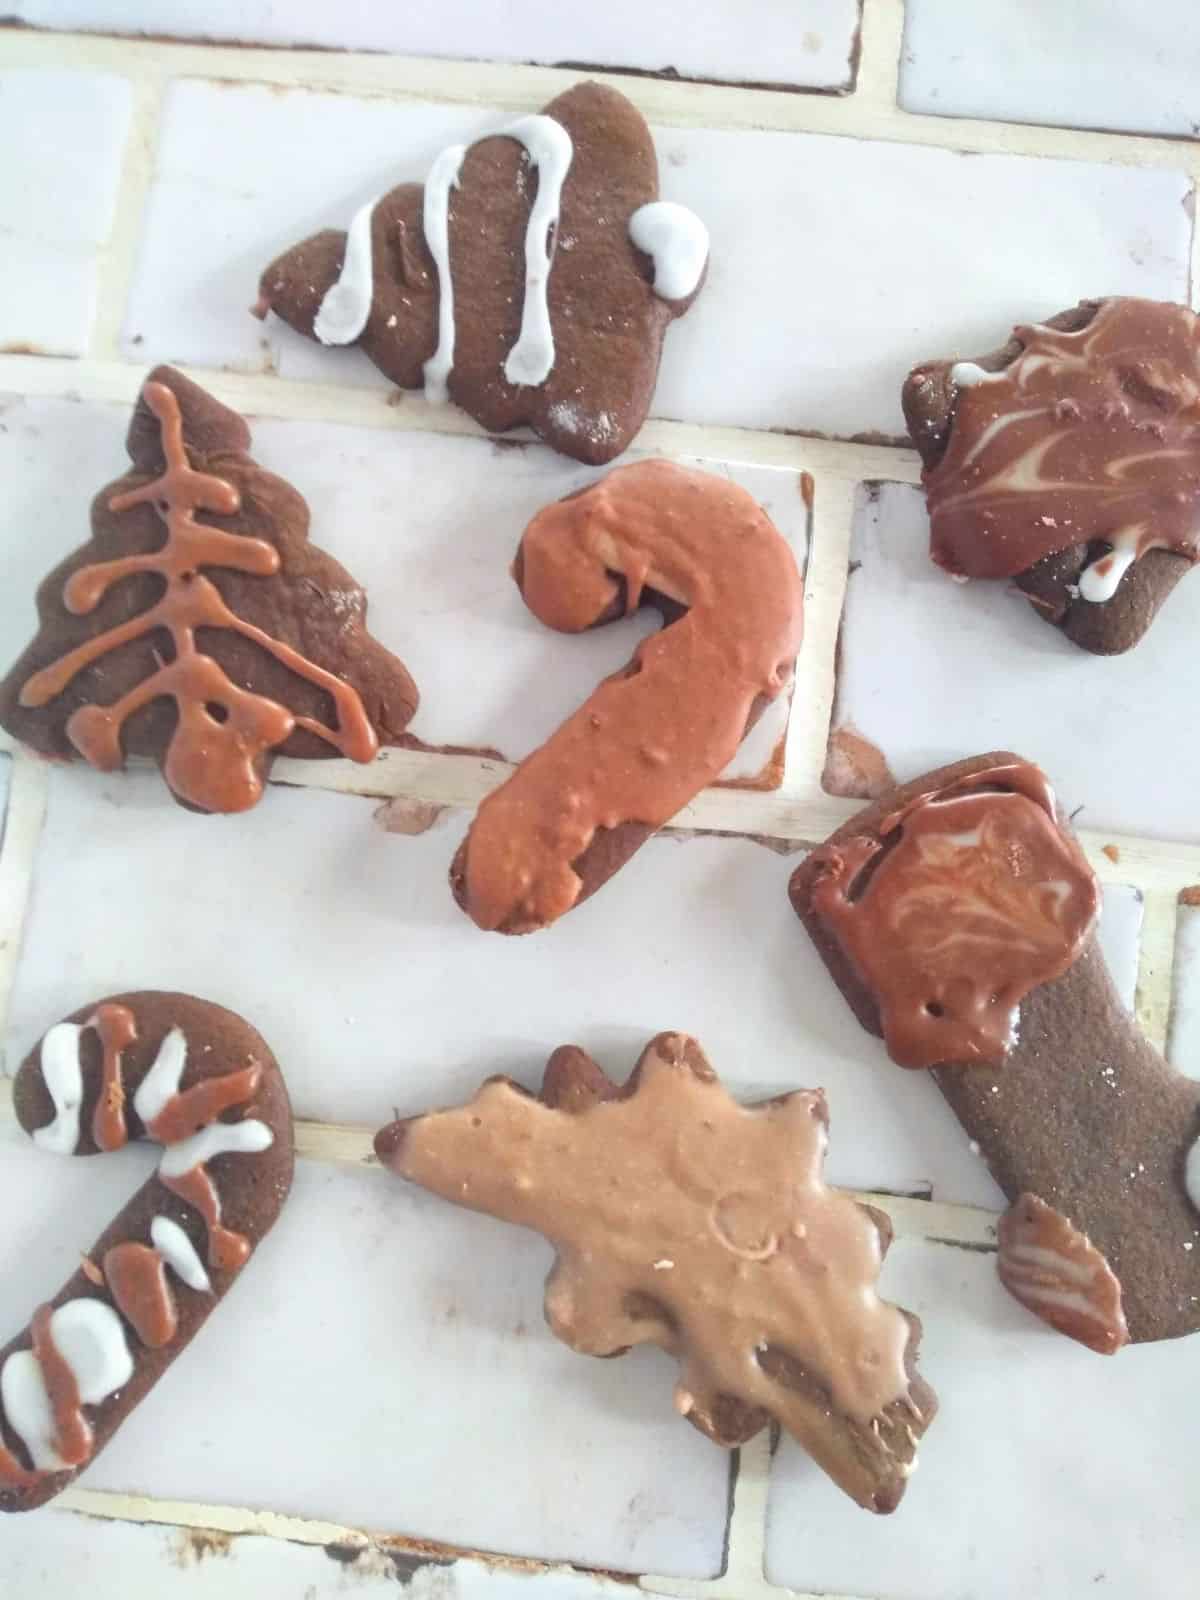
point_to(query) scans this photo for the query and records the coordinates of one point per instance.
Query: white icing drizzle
(1099, 579)
(178, 1251)
(443, 176)
(90, 1339)
(346, 306)
(550, 150)
(62, 1073)
(677, 242)
(161, 1083)
(342, 314)
(28, 1411)
(218, 1139)
(968, 373)
(1191, 1175)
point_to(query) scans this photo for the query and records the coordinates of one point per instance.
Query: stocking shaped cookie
(531, 279)
(200, 627)
(1069, 461)
(683, 1219)
(203, 1084)
(704, 553)
(957, 914)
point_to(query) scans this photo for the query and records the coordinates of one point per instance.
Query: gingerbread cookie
(203, 1084)
(957, 916)
(200, 627)
(531, 279)
(704, 553)
(683, 1219)
(1069, 460)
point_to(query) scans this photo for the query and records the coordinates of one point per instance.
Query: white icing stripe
(968, 373)
(161, 1083)
(676, 240)
(219, 1138)
(342, 314)
(62, 1072)
(443, 176)
(90, 1338)
(550, 150)
(346, 306)
(28, 1411)
(178, 1251)
(1098, 581)
(1191, 1175)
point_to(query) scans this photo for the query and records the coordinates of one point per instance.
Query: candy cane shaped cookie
(202, 1083)
(648, 739)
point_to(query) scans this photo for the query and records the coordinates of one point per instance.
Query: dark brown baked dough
(310, 605)
(251, 1187)
(607, 322)
(1084, 1113)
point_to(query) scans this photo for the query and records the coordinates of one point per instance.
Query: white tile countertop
(379, 1406)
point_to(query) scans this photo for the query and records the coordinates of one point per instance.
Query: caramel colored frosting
(651, 737)
(684, 1219)
(1086, 435)
(970, 897)
(223, 729)
(1056, 1272)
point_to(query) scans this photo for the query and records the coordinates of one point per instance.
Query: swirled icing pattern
(971, 896)
(1088, 435)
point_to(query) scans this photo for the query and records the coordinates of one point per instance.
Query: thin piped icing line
(346, 307)
(88, 1339)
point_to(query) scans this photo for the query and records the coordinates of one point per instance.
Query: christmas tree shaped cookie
(199, 626)
(531, 279)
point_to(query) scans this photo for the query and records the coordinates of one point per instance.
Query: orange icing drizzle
(116, 1029)
(975, 895)
(648, 739)
(137, 1280)
(192, 1109)
(74, 1433)
(226, 1249)
(222, 730)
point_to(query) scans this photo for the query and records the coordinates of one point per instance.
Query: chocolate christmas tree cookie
(200, 627)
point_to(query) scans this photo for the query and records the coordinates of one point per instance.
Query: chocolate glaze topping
(1089, 434)
(971, 896)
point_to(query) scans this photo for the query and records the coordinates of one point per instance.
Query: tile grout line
(118, 259)
(813, 698)
(109, 381)
(1156, 964)
(677, 103)
(881, 42)
(25, 814)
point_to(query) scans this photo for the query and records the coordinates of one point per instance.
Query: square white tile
(807, 46)
(932, 670)
(65, 135)
(1048, 1470)
(814, 309)
(1122, 65)
(428, 524)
